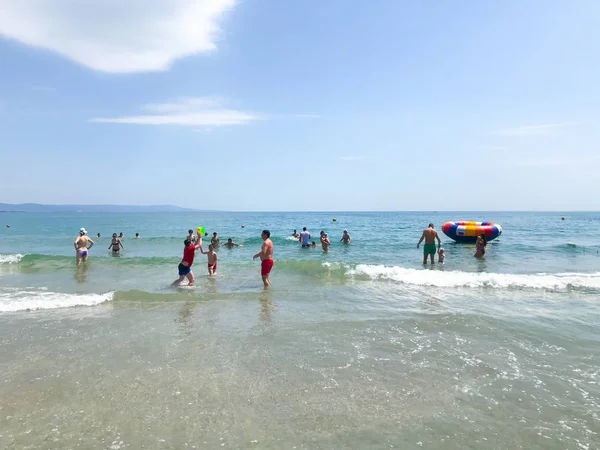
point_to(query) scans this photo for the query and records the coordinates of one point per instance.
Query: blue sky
(311, 105)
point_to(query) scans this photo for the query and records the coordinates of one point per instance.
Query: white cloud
(186, 111)
(351, 158)
(116, 36)
(532, 130)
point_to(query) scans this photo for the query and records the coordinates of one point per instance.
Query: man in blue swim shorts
(185, 266)
(429, 235)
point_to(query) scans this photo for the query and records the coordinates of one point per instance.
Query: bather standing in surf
(429, 249)
(81, 246)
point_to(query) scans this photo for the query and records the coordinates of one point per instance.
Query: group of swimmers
(304, 239)
(429, 249)
(192, 243)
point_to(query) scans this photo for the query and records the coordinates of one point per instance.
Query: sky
(270, 105)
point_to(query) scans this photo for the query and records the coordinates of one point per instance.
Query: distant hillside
(37, 208)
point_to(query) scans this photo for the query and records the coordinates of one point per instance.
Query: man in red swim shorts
(266, 257)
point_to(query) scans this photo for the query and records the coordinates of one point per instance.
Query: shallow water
(359, 348)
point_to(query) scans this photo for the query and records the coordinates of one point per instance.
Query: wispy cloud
(116, 36)
(43, 89)
(491, 147)
(351, 158)
(308, 116)
(532, 130)
(540, 163)
(186, 111)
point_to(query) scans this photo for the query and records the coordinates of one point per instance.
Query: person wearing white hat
(325, 242)
(81, 246)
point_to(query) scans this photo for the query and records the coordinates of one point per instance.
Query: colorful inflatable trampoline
(468, 231)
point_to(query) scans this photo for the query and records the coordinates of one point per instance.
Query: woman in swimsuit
(116, 244)
(81, 246)
(480, 246)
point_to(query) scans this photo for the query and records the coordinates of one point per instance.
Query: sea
(362, 347)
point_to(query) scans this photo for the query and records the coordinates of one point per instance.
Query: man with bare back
(266, 257)
(429, 235)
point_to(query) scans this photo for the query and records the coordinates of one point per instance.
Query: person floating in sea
(441, 255)
(345, 237)
(295, 234)
(230, 244)
(116, 244)
(121, 235)
(185, 266)
(137, 235)
(212, 259)
(81, 246)
(215, 241)
(304, 238)
(480, 245)
(325, 242)
(266, 257)
(99, 235)
(429, 235)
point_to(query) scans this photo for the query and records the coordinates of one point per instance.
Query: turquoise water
(361, 347)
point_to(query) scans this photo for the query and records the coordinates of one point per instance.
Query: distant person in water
(98, 235)
(137, 235)
(480, 245)
(266, 257)
(185, 266)
(304, 238)
(325, 242)
(121, 235)
(429, 235)
(81, 246)
(212, 259)
(116, 244)
(215, 241)
(230, 244)
(191, 236)
(441, 255)
(295, 234)
(345, 237)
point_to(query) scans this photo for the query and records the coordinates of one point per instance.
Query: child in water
(212, 259)
(441, 255)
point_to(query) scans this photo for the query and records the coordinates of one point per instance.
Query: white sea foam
(11, 259)
(13, 299)
(437, 278)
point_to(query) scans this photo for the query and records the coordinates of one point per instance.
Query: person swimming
(295, 234)
(116, 244)
(230, 244)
